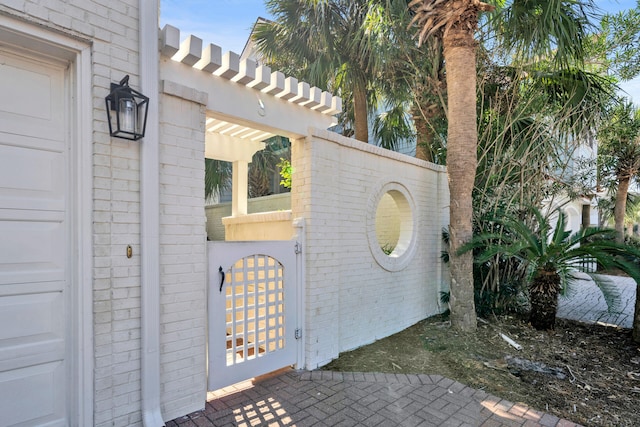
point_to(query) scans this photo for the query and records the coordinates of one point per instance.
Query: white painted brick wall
(112, 29)
(182, 257)
(350, 299)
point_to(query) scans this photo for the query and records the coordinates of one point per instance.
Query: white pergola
(246, 103)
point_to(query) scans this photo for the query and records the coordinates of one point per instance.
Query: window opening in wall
(264, 173)
(390, 229)
(387, 223)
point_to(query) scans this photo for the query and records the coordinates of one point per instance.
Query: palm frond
(556, 29)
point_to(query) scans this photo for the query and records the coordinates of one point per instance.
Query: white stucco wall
(351, 300)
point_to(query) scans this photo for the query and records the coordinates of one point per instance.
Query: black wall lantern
(126, 111)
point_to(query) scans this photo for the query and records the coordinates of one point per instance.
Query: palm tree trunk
(543, 310)
(636, 317)
(543, 296)
(621, 207)
(424, 136)
(462, 141)
(360, 113)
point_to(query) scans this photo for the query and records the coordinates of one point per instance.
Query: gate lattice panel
(254, 308)
(252, 296)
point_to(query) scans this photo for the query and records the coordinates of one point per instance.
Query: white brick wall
(112, 30)
(182, 256)
(352, 300)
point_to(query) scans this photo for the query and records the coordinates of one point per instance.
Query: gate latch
(298, 334)
(221, 277)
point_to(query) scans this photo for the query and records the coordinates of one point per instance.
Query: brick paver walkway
(331, 399)
(586, 303)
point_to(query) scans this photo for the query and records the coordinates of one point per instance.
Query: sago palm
(552, 256)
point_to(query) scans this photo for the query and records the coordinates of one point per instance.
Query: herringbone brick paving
(331, 399)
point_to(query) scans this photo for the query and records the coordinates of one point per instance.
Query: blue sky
(227, 23)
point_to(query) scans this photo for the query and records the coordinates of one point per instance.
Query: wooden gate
(252, 309)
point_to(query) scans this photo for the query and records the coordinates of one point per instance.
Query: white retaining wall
(351, 298)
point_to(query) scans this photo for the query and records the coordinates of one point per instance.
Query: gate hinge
(298, 334)
(298, 247)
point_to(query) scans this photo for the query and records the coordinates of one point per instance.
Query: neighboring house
(111, 300)
(581, 208)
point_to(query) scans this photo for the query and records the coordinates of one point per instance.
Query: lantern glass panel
(128, 116)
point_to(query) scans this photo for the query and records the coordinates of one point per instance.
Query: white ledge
(259, 217)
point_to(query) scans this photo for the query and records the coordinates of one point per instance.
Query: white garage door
(35, 255)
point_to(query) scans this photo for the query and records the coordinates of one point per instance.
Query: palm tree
(455, 22)
(552, 256)
(264, 165)
(606, 208)
(262, 170)
(619, 155)
(555, 30)
(217, 177)
(527, 30)
(621, 42)
(333, 44)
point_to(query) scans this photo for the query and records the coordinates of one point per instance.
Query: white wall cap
(314, 97)
(247, 72)
(290, 88)
(336, 105)
(277, 84)
(277, 104)
(325, 102)
(262, 78)
(315, 93)
(303, 93)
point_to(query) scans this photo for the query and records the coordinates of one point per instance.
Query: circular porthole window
(391, 226)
